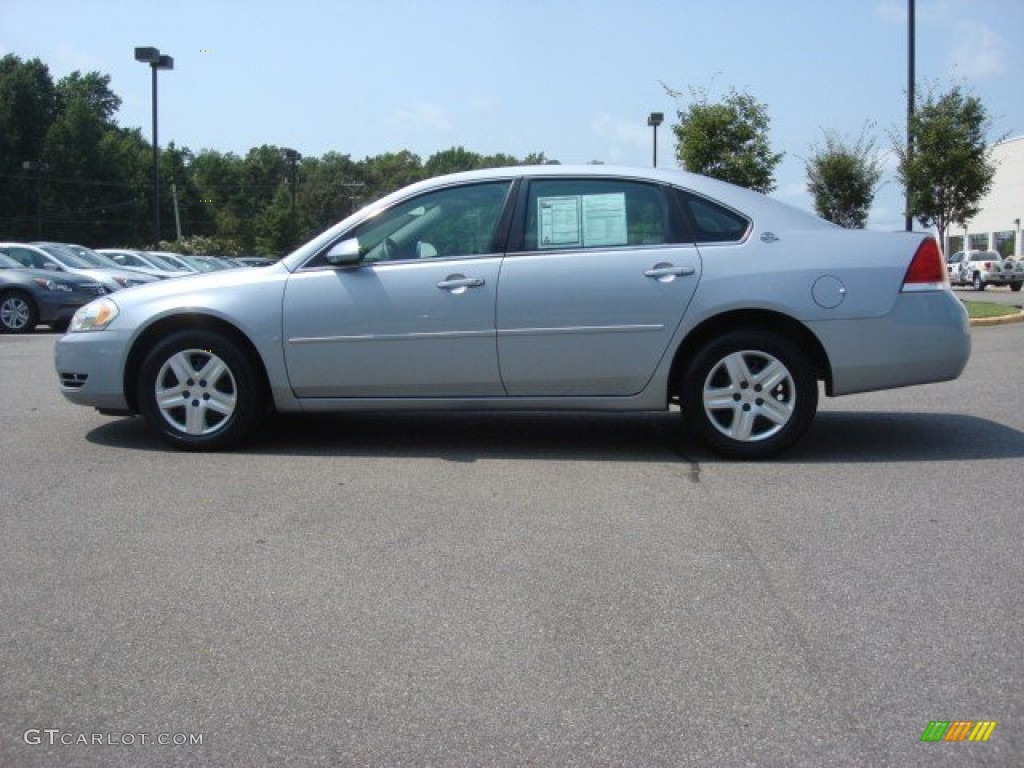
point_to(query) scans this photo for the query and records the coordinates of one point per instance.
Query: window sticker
(588, 221)
(558, 222)
(604, 219)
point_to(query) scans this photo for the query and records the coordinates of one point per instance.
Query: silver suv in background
(984, 268)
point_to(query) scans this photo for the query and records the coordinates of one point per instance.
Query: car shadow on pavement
(870, 436)
(657, 437)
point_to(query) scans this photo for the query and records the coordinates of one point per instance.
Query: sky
(575, 79)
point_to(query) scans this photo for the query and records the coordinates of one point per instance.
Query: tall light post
(654, 120)
(908, 222)
(156, 61)
(293, 159)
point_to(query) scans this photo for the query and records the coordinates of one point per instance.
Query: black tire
(1015, 287)
(18, 313)
(213, 414)
(758, 418)
(978, 283)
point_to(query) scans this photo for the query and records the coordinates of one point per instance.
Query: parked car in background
(174, 259)
(984, 268)
(100, 261)
(224, 262)
(149, 263)
(201, 263)
(29, 297)
(58, 257)
(535, 288)
(253, 261)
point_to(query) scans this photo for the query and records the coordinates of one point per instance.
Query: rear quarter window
(712, 222)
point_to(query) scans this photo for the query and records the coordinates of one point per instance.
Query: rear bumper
(926, 338)
(1001, 278)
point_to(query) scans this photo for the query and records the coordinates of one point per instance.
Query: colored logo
(958, 730)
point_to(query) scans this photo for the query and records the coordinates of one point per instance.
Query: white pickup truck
(984, 268)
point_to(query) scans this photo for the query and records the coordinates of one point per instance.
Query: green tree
(91, 194)
(727, 140)
(950, 168)
(390, 172)
(330, 188)
(843, 178)
(451, 161)
(28, 104)
(538, 158)
(93, 89)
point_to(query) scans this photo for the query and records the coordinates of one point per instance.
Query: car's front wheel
(18, 313)
(200, 390)
(1016, 286)
(750, 394)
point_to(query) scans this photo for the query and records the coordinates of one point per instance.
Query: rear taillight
(926, 271)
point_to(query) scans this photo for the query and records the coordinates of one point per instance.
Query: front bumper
(55, 307)
(90, 367)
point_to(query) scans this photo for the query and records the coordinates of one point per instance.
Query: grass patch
(980, 309)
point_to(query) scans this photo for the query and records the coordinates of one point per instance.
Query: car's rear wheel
(18, 313)
(200, 390)
(750, 394)
(1016, 286)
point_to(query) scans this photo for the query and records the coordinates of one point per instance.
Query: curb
(1003, 320)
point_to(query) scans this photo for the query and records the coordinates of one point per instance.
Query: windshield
(197, 262)
(94, 259)
(64, 255)
(162, 263)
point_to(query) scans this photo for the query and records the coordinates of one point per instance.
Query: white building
(997, 226)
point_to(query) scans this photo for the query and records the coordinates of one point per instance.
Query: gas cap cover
(828, 291)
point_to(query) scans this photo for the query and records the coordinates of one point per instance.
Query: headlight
(51, 285)
(94, 316)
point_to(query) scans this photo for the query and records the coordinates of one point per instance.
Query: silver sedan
(547, 287)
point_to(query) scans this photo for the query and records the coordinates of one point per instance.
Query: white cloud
(892, 12)
(483, 104)
(425, 116)
(980, 52)
(70, 59)
(633, 133)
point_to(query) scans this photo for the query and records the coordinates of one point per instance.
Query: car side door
(599, 274)
(412, 315)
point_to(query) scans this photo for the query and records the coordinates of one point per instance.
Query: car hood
(195, 289)
(49, 274)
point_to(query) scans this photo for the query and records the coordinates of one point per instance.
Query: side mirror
(345, 254)
(51, 266)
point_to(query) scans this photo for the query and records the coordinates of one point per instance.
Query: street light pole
(654, 120)
(909, 220)
(293, 159)
(156, 61)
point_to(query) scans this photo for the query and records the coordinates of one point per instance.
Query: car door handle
(668, 270)
(458, 283)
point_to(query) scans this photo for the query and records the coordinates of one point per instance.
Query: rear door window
(598, 214)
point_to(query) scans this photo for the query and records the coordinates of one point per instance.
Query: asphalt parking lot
(471, 590)
(992, 294)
